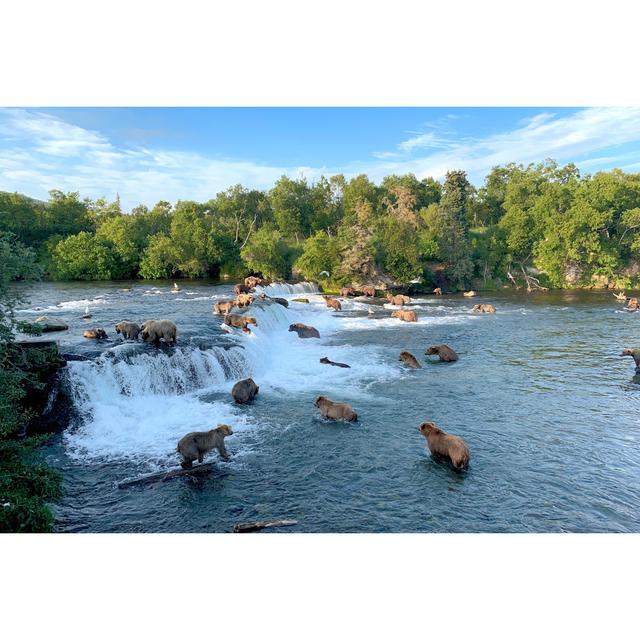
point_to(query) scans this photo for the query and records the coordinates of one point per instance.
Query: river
(540, 395)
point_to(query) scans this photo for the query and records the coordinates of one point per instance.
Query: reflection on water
(548, 408)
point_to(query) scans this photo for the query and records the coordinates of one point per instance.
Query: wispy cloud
(39, 152)
(570, 138)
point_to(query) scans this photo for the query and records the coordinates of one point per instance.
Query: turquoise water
(546, 405)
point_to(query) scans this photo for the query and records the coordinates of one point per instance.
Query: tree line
(540, 223)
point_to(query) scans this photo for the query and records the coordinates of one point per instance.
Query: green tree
(159, 259)
(26, 485)
(83, 257)
(263, 253)
(321, 252)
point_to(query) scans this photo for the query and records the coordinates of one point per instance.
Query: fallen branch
(161, 476)
(530, 280)
(248, 527)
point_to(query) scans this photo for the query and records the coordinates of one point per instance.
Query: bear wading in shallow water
(196, 444)
(335, 410)
(405, 316)
(244, 391)
(444, 445)
(635, 354)
(332, 303)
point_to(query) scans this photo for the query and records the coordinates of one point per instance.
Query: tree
(321, 252)
(453, 228)
(26, 485)
(159, 259)
(83, 257)
(263, 253)
(292, 207)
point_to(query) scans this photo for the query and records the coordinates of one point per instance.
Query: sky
(149, 154)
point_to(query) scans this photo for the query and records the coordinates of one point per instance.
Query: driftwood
(161, 476)
(248, 527)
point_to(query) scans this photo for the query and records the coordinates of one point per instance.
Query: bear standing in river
(335, 410)
(244, 391)
(129, 330)
(196, 444)
(443, 445)
(635, 354)
(410, 360)
(156, 330)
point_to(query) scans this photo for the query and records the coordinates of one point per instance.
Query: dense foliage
(26, 484)
(539, 221)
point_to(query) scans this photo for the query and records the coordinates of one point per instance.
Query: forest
(541, 225)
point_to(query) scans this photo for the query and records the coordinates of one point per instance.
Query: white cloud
(39, 152)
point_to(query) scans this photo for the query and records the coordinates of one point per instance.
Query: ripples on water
(548, 408)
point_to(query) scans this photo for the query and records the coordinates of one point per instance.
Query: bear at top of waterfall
(223, 307)
(129, 330)
(444, 445)
(240, 322)
(335, 410)
(405, 316)
(244, 391)
(95, 334)
(196, 444)
(410, 360)
(243, 300)
(156, 330)
(445, 352)
(304, 330)
(241, 288)
(635, 354)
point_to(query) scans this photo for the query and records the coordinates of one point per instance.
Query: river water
(540, 395)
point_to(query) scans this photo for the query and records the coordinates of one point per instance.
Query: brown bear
(446, 353)
(369, 292)
(240, 322)
(240, 288)
(345, 292)
(633, 304)
(398, 300)
(196, 444)
(405, 316)
(635, 354)
(332, 303)
(244, 391)
(243, 300)
(484, 308)
(95, 334)
(222, 308)
(156, 330)
(410, 360)
(443, 445)
(335, 410)
(253, 281)
(304, 330)
(437, 291)
(129, 330)
(335, 364)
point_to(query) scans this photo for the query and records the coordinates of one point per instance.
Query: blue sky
(149, 154)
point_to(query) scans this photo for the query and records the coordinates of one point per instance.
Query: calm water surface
(548, 408)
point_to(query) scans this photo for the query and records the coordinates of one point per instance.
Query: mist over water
(548, 408)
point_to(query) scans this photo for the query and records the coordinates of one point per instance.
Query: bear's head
(319, 400)
(433, 350)
(427, 428)
(252, 321)
(224, 429)
(118, 327)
